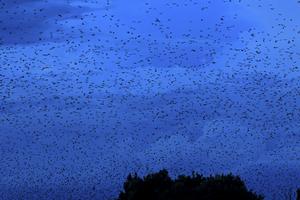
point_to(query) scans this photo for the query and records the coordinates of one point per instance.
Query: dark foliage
(159, 186)
(298, 194)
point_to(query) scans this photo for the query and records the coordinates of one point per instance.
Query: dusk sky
(92, 90)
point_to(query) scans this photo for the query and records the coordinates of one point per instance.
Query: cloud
(32, 21)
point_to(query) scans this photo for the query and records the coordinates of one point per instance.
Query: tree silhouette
(159, 186)
(298, 194)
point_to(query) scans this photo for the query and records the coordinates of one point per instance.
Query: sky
(93, 90)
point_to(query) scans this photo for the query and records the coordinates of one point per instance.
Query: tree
(298, 194)
(159, 186)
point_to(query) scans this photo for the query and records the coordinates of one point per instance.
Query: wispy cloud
(30, 21)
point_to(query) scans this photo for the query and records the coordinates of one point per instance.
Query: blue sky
(92, 90)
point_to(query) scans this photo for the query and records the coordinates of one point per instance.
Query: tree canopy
(159, 186)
